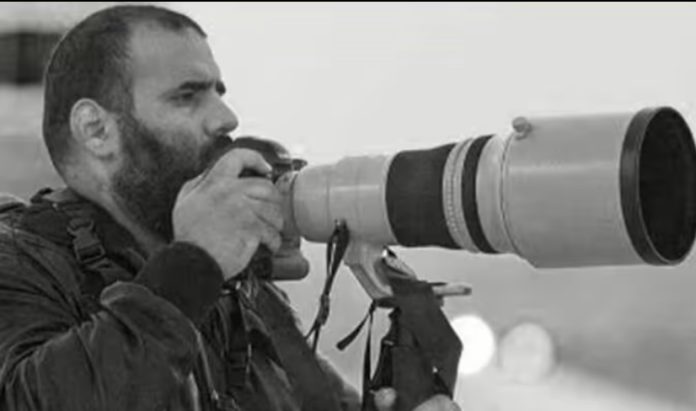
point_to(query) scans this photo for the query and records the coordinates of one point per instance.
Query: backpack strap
(87, 247)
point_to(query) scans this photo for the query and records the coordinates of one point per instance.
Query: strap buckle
(86, 246)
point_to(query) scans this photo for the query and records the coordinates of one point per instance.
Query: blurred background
(330, 80)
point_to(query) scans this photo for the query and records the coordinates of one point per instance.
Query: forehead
(162, 59)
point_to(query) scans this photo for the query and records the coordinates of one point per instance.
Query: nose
(222, 120)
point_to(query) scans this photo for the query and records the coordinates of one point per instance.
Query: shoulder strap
(87, 248)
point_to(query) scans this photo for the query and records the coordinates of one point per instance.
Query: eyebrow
(196, 86)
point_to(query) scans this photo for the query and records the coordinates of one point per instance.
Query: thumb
(385, 399)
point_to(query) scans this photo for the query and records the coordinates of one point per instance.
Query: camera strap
(367, 356)
(335, 250)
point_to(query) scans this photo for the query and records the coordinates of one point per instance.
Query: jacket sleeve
(135, 353)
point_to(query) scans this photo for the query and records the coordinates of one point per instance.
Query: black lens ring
(630, 180)
(469, 198)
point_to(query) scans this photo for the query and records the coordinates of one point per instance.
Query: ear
(93, 128)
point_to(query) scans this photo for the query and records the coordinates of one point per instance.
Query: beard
(152, 173)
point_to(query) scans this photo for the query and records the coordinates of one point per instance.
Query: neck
(148, 241)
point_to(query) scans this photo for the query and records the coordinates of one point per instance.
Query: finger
(234, 162)
(251, 239)
(261, 189)
(269, 236)
(385, 399)
(271, 213)
(190, 185)
(252, 160)
(250, 222)
(243, 252)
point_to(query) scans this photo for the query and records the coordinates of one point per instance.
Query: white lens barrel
(568, 191)
(562, 192)
(352, 190)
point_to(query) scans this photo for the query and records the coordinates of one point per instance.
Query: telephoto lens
(565, 191)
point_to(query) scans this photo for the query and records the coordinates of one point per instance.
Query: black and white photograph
(350, 206)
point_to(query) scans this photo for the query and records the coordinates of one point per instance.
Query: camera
(557, 191)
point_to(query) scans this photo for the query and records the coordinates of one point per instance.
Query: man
(111, 292)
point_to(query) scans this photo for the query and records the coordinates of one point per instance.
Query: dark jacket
(125, 336)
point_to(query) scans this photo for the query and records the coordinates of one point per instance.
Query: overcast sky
(337, 79)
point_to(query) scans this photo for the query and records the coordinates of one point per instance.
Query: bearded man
(111, 290)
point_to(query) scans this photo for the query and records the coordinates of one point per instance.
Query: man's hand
(386, 398)
(229, 216)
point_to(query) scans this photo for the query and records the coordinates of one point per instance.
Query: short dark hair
(92, 61)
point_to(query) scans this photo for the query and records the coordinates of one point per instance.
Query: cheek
(173, 123)
(180, 136)
(189, 145)
(180, 133)
(186, 153)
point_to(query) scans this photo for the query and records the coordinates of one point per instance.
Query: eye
(185, 96)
